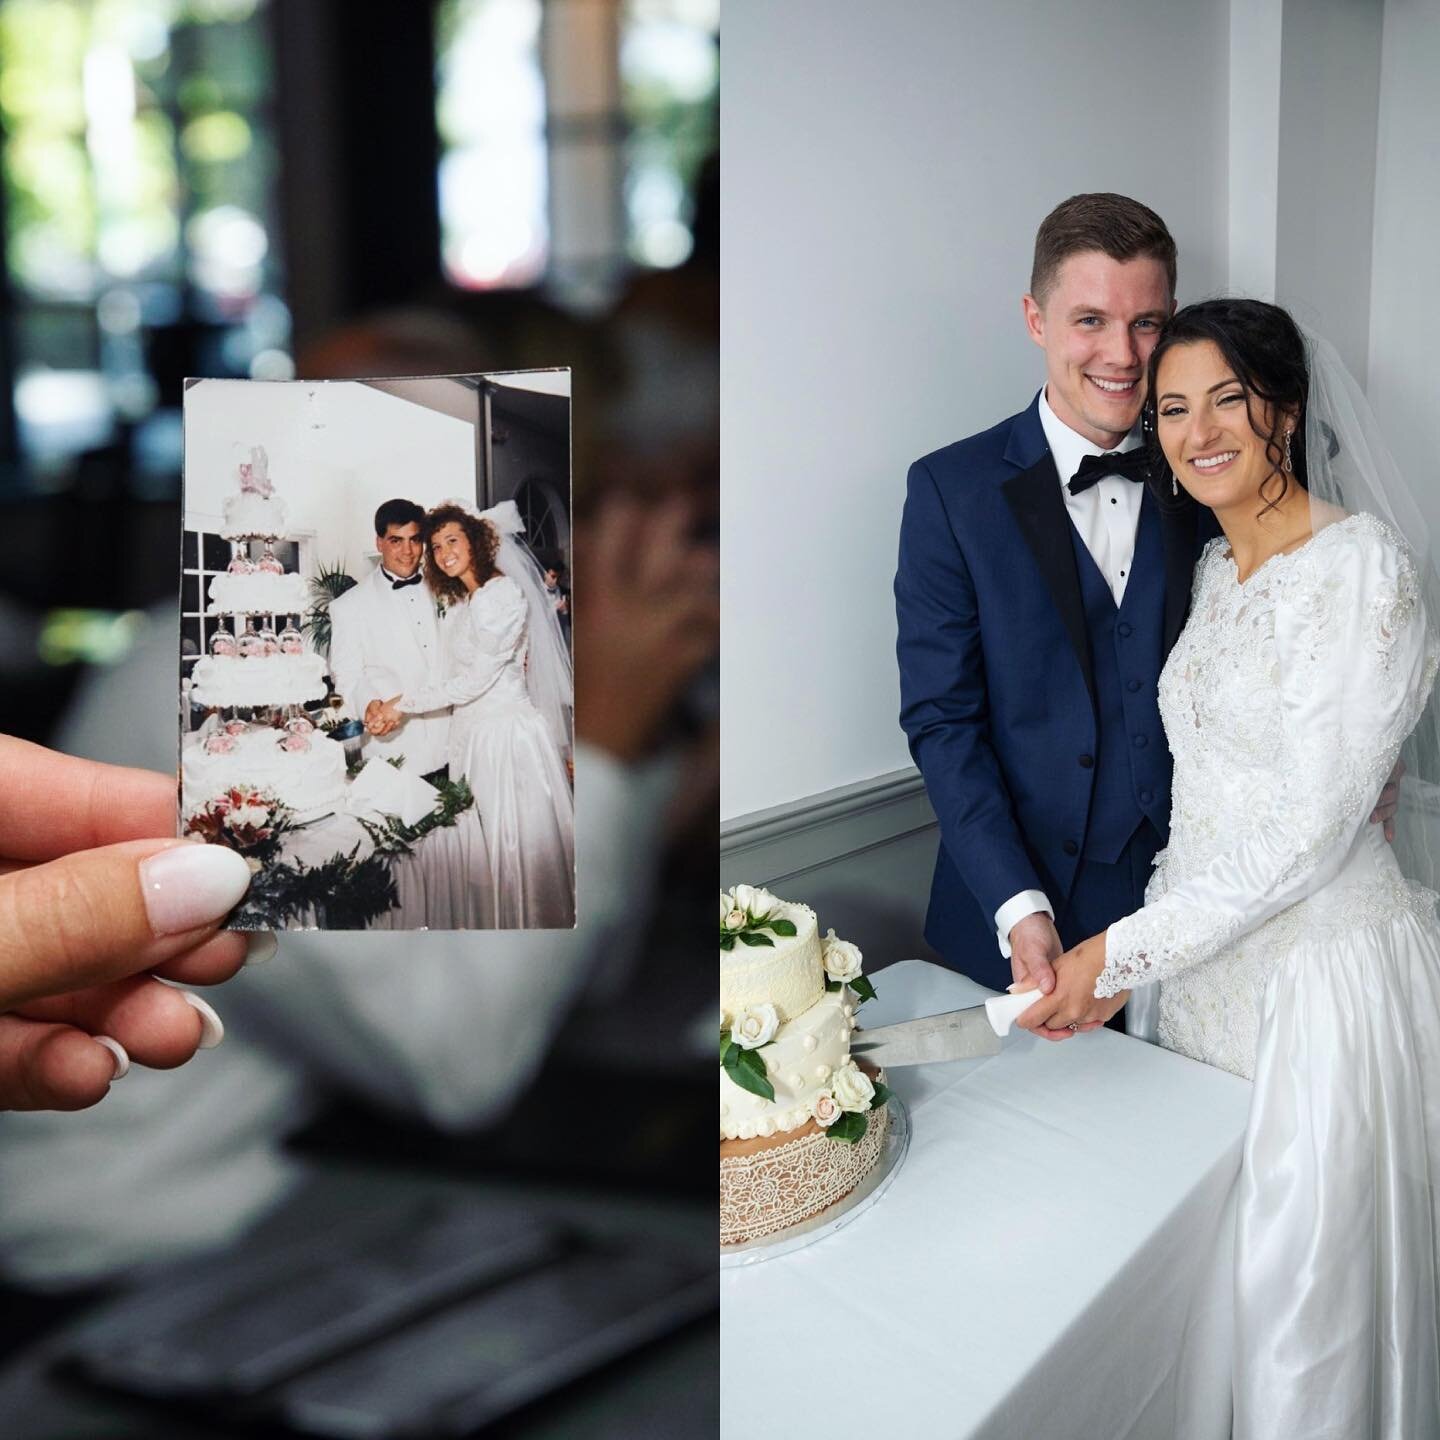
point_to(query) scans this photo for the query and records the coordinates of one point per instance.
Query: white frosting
(306, 780)
(258, 680)
(252, 517)
(258, 594)
(789, 974)
(798, 1061)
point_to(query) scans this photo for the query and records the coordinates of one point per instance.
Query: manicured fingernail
(122, 1057)
(188, 886)
(212, 1030)
(260, 947)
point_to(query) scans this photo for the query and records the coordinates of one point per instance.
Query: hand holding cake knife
(955, 1035)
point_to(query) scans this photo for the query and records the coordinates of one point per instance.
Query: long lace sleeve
(1354, 662)
(494, 621)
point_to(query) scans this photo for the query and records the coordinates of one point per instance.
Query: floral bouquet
(248, 820)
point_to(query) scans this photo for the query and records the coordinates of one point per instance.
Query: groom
(1040, 587)
(384, 642)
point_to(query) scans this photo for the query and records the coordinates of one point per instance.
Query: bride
(506, 673)
(1285, 941)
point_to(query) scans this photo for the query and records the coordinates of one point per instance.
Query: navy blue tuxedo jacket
(997, 676)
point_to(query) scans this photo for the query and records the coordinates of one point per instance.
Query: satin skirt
(1337, 1287)
(505, 750)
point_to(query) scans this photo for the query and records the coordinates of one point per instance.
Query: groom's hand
(1389, 802)
(1034, 948)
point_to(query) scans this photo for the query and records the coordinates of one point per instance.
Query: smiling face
(400, 549)
(450, 550)
(1203, 419)
(1097, 326)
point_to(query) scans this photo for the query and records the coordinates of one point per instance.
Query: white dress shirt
(1106, 517)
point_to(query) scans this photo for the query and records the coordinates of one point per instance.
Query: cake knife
(955, 1035)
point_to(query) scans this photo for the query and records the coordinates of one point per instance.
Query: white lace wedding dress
(1289, 949)
(501, 744)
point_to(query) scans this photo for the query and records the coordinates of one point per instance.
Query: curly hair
(1263, 346)
(484, 542)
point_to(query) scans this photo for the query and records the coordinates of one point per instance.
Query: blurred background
(343, 189)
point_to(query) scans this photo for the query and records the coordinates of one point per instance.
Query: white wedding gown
(1289, 949)
(502, 746)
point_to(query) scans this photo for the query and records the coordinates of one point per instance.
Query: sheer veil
(549, 674)
(1350, 469)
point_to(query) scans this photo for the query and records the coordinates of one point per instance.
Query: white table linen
(1053, 1260)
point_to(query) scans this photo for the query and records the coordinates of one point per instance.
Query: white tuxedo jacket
(385, 642)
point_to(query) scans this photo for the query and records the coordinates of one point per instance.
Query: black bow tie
(415, 579)
(1131, 464)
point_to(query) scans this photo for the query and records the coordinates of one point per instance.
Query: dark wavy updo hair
(1265, 349)
(450, 589)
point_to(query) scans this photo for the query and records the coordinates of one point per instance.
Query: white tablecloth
(443, 883)
(1053, 1259)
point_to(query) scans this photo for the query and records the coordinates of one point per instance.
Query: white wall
(1404, 382)
(337, 449)
(885, 169)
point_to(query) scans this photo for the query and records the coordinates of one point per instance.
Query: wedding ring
(1073, 1025)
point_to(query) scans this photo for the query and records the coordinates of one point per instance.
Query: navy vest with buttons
(1132, 763)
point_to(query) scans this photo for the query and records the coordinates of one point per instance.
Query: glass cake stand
(847, 1208)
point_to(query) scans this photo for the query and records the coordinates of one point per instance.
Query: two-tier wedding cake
(801, 1123)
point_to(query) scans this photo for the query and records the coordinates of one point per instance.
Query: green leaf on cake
(848, 1128)
(727, 942)
(863, 989)
(783, 927)
(832, 985)
(751, 939)
(725, 1043)
(882, 1094)
(747, 1070)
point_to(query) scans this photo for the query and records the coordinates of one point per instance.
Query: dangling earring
(1174, 484)
(1285, 464)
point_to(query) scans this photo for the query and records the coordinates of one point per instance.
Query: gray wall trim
(768, 846)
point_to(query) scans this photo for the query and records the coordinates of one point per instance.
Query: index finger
(53, 804)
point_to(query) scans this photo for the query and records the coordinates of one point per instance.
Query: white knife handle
(1002, 1009)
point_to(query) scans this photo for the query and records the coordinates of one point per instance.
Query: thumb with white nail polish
(212, 1029)
(98, 915)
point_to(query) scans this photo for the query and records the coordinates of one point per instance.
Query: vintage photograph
(376, 692)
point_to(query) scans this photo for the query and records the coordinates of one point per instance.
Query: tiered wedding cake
(259, 670)
(801, 1124)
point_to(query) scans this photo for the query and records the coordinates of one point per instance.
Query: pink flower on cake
(735, 920)
(840, 957)
(853, 1088)
(295, 742)
(755, 1026)
(220, 744)
(825, 1108)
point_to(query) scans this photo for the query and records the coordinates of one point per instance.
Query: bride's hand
(1073, 1002)
(387, 717)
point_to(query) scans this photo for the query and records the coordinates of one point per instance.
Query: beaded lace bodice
(1285, 702)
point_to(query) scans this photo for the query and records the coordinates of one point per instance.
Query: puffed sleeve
(495, 617)
(1356, 660)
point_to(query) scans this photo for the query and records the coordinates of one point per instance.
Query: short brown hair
(450, 589)
(1116, 225)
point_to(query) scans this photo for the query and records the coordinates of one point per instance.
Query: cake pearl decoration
(808, 1043)
(766, 1126)
(821, 1072)
(796, 1081)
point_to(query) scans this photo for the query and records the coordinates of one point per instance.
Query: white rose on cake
(754, 901)
(853, 1088)
(840, 957)
(755, 1026)
(825, 1108)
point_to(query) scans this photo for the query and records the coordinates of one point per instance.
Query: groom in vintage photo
(384, 642)
(1040, 587)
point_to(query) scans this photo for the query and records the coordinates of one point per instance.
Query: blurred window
(139, 173)
(572, 134)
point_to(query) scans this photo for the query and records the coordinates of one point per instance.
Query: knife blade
(955, 1035)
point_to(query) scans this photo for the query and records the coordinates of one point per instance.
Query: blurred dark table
(668, 1391)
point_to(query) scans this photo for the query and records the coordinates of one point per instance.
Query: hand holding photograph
(376, 692)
